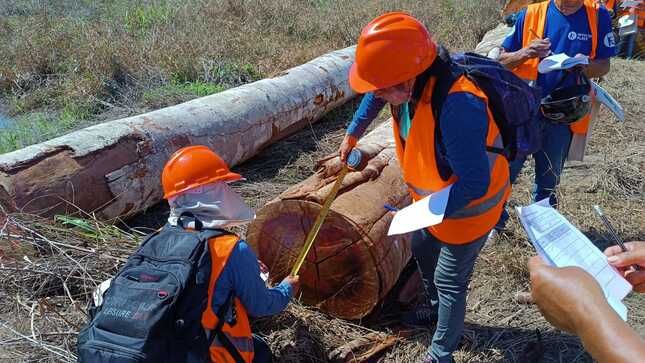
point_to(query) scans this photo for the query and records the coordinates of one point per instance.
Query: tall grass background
(67, 64)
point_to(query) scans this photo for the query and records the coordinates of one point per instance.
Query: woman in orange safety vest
(397, 62)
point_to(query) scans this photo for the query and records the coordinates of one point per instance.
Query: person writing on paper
(397, 62)
(624, 261)
(558, 26)
(571, 300)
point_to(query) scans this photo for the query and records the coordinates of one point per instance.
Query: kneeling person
(186, 294)
(195, 183)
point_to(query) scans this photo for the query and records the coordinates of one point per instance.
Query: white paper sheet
(630, 3)
(421, 214)
(627, 25)
(606, 99)
(561, 61)
(561, 244)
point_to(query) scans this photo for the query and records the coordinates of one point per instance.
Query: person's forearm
(597, 68)
(367, 111)
(609, 340)
(512, 60)
(269, 302)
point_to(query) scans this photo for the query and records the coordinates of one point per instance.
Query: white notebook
(561, 244)
(561, 61)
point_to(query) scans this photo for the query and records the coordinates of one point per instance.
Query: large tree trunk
(513, 6)
(353, 263)
(113, 169)
(492, 41)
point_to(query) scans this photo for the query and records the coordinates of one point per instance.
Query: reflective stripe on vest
(242, 344)
(240, 333)
(420, 172)
(534, 28)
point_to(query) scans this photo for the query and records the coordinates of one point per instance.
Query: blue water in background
(4, 121)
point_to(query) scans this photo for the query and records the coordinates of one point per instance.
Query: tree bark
(492, 41)
(353, 263)
(513, 6)
(113, 169)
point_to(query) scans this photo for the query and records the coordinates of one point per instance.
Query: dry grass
(497, 328)
(50, 286)
(66, 64)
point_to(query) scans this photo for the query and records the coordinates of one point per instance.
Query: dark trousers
(262, 352)
(446, 270)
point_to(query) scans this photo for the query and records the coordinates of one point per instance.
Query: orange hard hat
(191, 167)
(393, 48)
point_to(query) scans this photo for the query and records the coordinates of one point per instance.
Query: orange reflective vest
(534, 25)
(240, 333)
(640, 15)
(639, 11)
(420, 171)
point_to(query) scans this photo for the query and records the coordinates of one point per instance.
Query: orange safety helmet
(191, 167)
(393, 48)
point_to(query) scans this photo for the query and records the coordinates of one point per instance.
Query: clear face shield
(216, 205)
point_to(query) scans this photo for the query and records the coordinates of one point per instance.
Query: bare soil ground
(38, 320)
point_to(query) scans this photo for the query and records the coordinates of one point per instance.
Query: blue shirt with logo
(568, 34)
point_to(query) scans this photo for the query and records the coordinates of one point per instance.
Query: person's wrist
(351, 139)
(592, 317)
(526, 55)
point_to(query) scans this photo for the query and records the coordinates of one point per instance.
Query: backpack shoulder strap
(219, 333)
(445, 80)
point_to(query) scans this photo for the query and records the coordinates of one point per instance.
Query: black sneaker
(422, 317)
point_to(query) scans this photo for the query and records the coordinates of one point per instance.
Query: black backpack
(514, 104)
(152, 310)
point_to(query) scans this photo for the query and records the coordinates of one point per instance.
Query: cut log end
(353, 263)
(339, 274)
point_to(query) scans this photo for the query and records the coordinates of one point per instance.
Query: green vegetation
(67, 64)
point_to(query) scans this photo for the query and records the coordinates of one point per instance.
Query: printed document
(421, 214)
(561, 61)
(606, 99)
(561, 244)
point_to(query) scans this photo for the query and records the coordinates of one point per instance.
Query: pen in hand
(612, 232)
(540, 38)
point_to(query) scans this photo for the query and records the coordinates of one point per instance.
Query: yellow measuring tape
(313, 232)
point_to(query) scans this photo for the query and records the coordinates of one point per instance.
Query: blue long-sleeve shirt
(242, 275)
(366, 113)
(464, 126)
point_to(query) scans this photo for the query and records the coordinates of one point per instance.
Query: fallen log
(353, 262)
(492, 41)
(513, 6)
(113, 169)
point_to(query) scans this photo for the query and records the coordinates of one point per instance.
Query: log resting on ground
(113, 169)
(492, 40)
(353, 262)
(513, 6)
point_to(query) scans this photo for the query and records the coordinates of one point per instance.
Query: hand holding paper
(561, 61)
(561, 244)
(565, 293)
